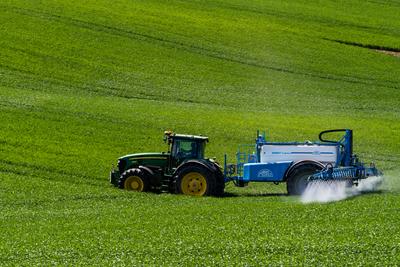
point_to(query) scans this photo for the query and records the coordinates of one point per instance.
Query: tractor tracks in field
(383, 49)
(191, 48)
(385, 2)
(46, 173)
(60, 114)
(97, 27)
(301, 18)
(26, 81)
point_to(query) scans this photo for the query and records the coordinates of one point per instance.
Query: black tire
(298, 178)
(197, 181)
(131, 177)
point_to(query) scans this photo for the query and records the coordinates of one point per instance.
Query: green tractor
(183, 169)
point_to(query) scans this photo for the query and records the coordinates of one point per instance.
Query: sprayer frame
(249, 168)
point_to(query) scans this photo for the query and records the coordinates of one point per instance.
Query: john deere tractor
(183, 169)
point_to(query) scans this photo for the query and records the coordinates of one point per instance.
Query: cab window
(186, 149)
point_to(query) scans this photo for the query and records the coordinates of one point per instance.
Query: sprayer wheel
(298, 180)
(349, 183)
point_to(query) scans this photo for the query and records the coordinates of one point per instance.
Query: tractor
(185, 170)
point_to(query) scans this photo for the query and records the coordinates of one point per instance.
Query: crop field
(85, 82)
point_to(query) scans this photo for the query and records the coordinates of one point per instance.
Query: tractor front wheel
(195, 181)
(134, 180)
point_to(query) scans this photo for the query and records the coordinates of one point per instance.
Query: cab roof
(190, 137)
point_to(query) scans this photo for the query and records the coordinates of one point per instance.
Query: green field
(84, 82)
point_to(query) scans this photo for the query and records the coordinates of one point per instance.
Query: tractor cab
(183, 147)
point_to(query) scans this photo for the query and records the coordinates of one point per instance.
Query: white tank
(289, 152)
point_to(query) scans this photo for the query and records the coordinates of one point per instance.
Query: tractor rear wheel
(195, 181)
(134, 180)
(298, 179)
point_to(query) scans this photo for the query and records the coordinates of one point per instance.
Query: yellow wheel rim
(134, 183)
(194, 184)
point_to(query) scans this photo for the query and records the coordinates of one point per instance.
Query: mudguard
(154, 176)
(297, 164)
(211, 166)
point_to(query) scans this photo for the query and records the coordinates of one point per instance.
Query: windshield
(188, 149)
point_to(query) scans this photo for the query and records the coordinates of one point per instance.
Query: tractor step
(166, 185)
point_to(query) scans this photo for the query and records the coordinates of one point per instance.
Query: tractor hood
(155, 160)
(139, 156)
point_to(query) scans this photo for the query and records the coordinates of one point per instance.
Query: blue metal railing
(245, 154)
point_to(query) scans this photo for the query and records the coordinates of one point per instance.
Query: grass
(82, 83)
